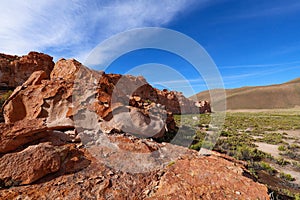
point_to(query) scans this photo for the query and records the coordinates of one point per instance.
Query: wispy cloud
(261, 10)
(259, 65)
(255, 74)
(73, 28)
(275, 10)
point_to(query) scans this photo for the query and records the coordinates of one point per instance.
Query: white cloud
(260, 65)
(73, 28)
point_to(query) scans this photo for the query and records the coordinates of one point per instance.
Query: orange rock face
(62, 98)
(83, 134)
(66, 171)
(22, 132)
(15, 70)
(177, 103)
(31, 164)
(207, 178)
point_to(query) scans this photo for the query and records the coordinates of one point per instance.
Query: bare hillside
(286, 95)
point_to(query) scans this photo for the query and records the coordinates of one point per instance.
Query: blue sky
(252, 42)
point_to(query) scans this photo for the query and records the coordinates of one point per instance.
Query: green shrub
(272, 138)
(289, 153)
(296, 164)
(281, 148)
(281, 161)
(293, 146)
(267, 167)
(4, 97)
(245, 152)
(148, 101)
(196, 146)
(226, 133)
(287, 177)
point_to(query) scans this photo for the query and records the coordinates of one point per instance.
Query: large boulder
(73, 94)
(72, 89)
(15, 135)
(31, 164)
(15, 70)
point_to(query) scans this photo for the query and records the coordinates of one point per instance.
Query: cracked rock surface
(57, 145)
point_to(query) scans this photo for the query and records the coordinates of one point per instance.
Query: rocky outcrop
(79, 135)
(110, 105)
(66, 170)
(177, 103)
(15, 70)
(192, 178)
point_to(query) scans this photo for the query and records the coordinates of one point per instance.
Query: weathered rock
(68, 134)
(207, 178)
(15, 70)
(204, 106)
(167, 172)
(75, 92)
(65, 69)
(177, 103)
(13, 136)
(31, 164)
(107, 88)
(48, 99)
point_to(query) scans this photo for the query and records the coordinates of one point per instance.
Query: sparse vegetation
(289, 153)
(272, 138)
(296, 164)
(5, 96)
(267, 167)
(282, 148)
(240, 133)
(293, 147)
(287, 177)
(281, 161)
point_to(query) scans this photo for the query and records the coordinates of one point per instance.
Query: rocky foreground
(75, 133)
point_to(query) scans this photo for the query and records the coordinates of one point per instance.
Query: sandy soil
(273, 150)
(294, 174)
(291, 133)
(268, 148)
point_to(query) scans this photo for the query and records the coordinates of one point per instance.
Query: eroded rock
(15, 70)
(77, 96)
(207, 178)
(14, 135)
(83, 134)
(31, 164)
(166, 172)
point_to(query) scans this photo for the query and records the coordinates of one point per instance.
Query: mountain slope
(286, 95)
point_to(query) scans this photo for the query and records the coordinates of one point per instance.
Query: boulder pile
(76, 133)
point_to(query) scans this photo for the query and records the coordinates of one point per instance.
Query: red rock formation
(204, 178)
(52, 98)
(64, 139)
(22, 132)
(177, 103)
(65, 171)
(31, 164)
(15, 70)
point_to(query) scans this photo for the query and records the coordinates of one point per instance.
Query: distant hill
(286, 95)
